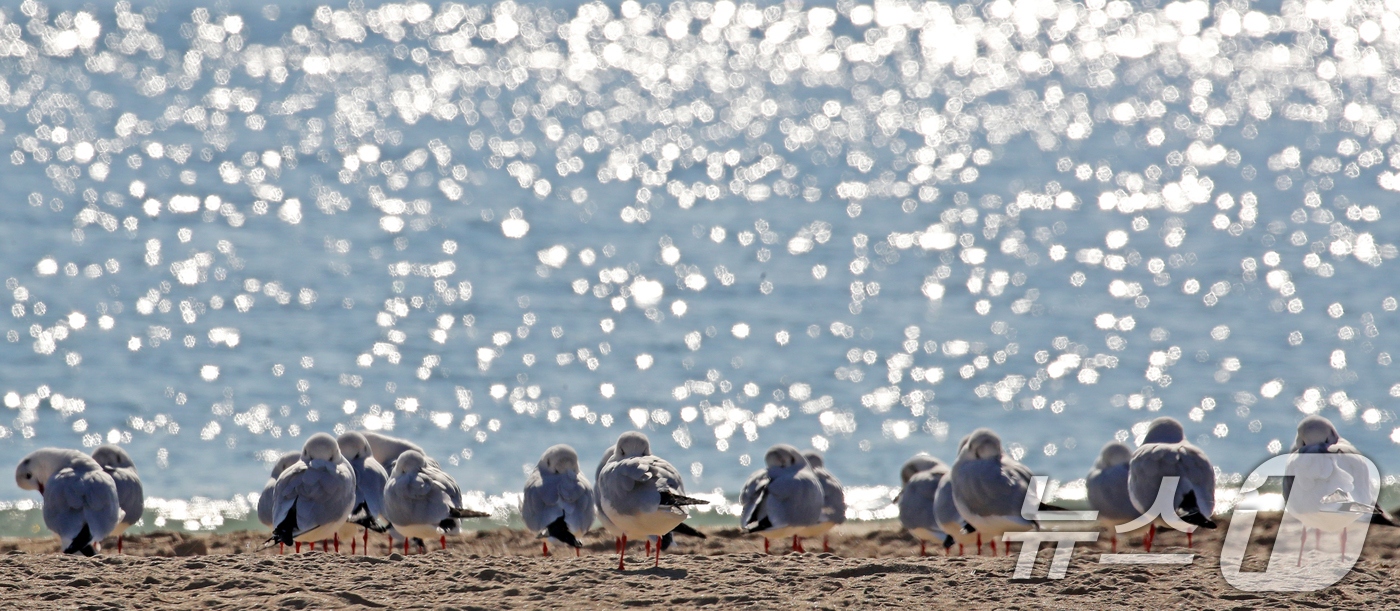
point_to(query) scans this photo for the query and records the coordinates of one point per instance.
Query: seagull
(267, 498)
(370, 479)
(117, 463)
(558, 500)
(833, 500)
(949, 521)
(642, 495)
(387, 449)
(920, 477)
(782, 499)
(422, 501)
(1329, 486)
(1166, 453)
(989, 488)
(598, 500)
(80, 499)
(314, 496)
(1107, 486)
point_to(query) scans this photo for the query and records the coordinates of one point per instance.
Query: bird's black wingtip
(687, 530)
(559, 529)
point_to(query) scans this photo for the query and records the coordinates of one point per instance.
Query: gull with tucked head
(421, 501)
(313, 496)
(783, 499)
(921, 476)
(558, 500)
(1107, 486)
(1329, 485)
(118, 464)
(1165, 453)
(80, 499)
(370, 479)
(833, 500)
(989, 488)
(642, 495)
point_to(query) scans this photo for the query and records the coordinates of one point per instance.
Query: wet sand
(872, 566)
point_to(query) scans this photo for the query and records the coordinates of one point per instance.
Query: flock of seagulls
(365, 481)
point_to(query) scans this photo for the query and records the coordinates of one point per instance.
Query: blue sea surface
(868, 229)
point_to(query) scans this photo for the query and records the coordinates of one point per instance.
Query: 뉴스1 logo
(1334, 494)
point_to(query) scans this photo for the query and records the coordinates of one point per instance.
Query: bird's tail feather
(672, 499)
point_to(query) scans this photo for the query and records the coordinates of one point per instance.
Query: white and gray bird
(558, 502)
(370, 479)
(664, 541)
(422, 501)
(783, 498)
(951, 522)
(1107, 486)
(118, 464)
(919, 478)
(80, 499)
(387, 449)
(268, 498)
(1329, 485)
(1166, 453)
(313, 496)
(833, 500)
(642, 495)
(989, 488)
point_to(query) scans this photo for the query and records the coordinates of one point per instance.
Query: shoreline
(872, 566)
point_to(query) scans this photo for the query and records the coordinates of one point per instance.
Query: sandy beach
(873, 566)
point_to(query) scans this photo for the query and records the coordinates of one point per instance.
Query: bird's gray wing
(752, 496)
(629, 487)
(1198, 472)
(795, 499)
(1108, 493)
(631, 472)
(944, 509)
(369, 482)
(833, 497)
(267, 502)
(412, 499)
(540, 504)
(130, 495)
(322, 492)
(916, 502)
(986, 487)
(577, 499)
(73, 499)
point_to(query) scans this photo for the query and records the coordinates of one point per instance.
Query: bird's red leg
(1188, 540)
(923, 548)
(649, 545)
(960, 549)
(405, 545)
(979, 544)
(353, 545)
(825, 546)
(119, 544)
(545, 544)
(1151, 534)
(657, 564)
(1115, 541)
(1302, 545)
(622, 554)
(577, 553)
(444, 541)
(281, 548)
(366, 541)
(298, 549)
(765, 545)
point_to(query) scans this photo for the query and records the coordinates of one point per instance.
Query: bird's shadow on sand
(651, 571)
